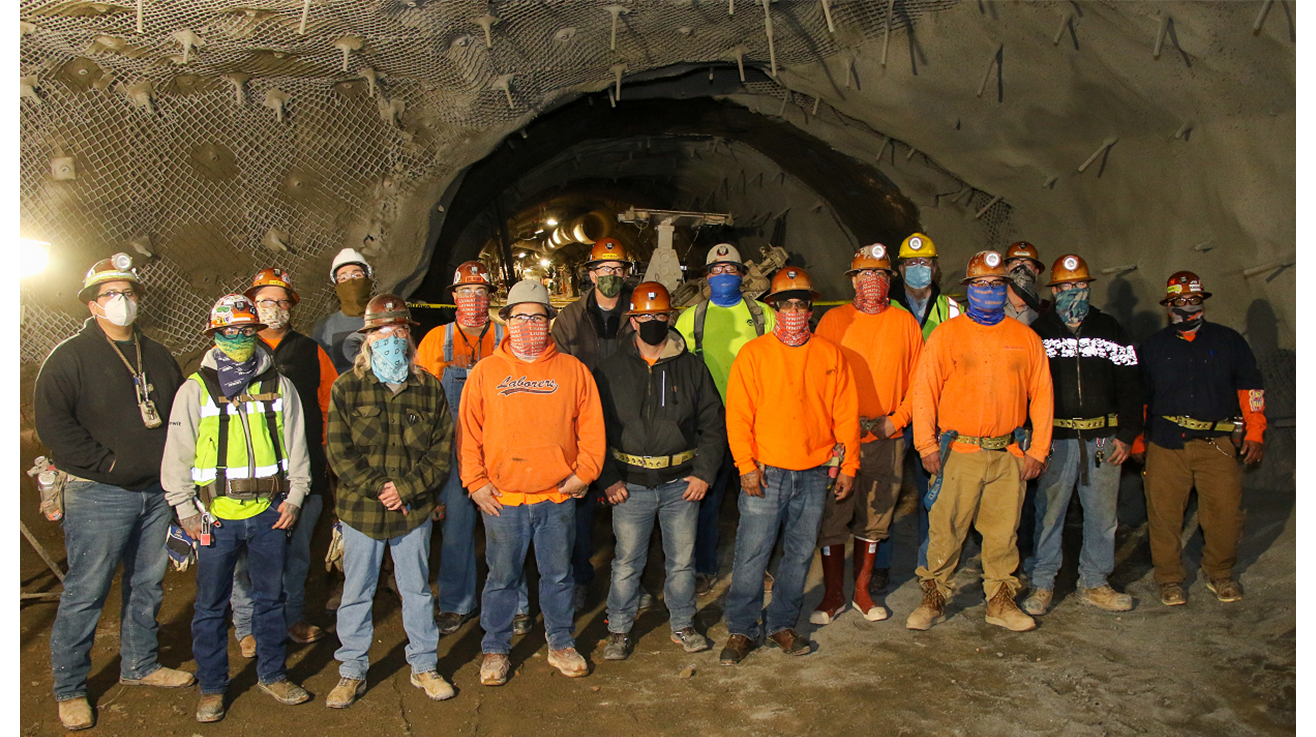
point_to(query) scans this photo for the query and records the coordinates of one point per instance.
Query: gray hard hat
(527, 290)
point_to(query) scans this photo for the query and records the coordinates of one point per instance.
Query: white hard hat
(527, 290)
(723, 253)
(345, 257)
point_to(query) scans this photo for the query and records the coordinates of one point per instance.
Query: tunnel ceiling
(221, 137)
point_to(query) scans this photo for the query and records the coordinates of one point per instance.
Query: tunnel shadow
(1122, 303)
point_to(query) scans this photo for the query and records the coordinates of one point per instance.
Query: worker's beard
(353, 294)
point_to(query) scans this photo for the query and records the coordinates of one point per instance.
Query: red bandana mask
(870, 296)
(793, 327)
(472, 308)
(528, 339)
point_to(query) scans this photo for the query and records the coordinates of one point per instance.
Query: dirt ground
(1204, 668)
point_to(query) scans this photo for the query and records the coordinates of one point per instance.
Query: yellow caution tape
(439, 306)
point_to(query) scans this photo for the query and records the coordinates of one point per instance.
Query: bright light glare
(543, 262)
(521, 254)
(550, 222)
(34, 257)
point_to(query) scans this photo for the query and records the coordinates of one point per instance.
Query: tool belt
(1191, 424)
(244, 490)
(1092, 423)
(653, 463)
(1000, 442)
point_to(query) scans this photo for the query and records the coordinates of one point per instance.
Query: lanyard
(477, 350)
(139, 375)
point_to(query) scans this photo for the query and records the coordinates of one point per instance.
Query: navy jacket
(1200, 379)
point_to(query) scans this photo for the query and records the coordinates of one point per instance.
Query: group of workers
(528, 422)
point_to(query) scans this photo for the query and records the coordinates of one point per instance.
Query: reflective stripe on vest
(206, 461)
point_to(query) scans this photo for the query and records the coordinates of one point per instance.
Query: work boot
(569, 662)
(833, 601)
(1003, 612)
(345, 693)
(210, 708)
(433, 685)
(578, 598)
(450, 622)
(1104, 597)
(247, 646)
(931, 611)
(494, 669)
(617, 647)
(1038, 601)
(285, 691)
(1225, 589)
(162, 677)
(521, 624)
(690, 639)
(304, 633)
(790, 642)
(704, 584)
(75, 714)
(737, 647)
(865, 557)
(1172, 594)
(879, 583)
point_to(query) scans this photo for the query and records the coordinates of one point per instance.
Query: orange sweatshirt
(982, 381)
(466, 350)
(882, 351)
(788, 407)
(527, 426)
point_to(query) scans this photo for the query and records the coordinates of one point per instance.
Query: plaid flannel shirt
(375, 436)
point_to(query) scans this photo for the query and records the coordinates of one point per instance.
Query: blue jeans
(1100, 499)
(296, 563)
(921, 478)
(362, 557)
(551, 527)
(104, 525)
(582, 549)
(457, 577)
(708, 536)
(216, 562)
(792, 500)
(632, 522)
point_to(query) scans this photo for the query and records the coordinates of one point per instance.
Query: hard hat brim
(88, 293)
(484, 284)
(258, 325)
(1204, 295)
(292, 293)
(506, 310)
(630, 313)
(1058, 282)
(852, 272)
(723, 261)
(773, 297)
(392, 321)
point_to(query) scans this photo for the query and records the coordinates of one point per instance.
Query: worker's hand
(287, 516)
(844, 485)
(390, 498)
(192, 526)
(487, 500)
(617, 493)
(1119, 454)
(439, 511)
(932, 462)
(752, 483)
(1252, 451)
(887, 428)
(695, 489)
(573, 486)
(1030, 469)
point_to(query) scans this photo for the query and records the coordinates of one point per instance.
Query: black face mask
(653, 332)
(1024, 279)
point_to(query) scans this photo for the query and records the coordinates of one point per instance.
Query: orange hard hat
(471, 272)
(1068, 268)
(386, 309)
(273, 278)
(118, 267)
(608, 249)
(984, 263)
(649, 298)
(233, 311)
(1024, 249)
(1184, 284)
(872, 256)
(790, 279)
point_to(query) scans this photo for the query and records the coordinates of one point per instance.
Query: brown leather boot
(931, 611)
(865, 557)
(833, 601)
(1003, 612)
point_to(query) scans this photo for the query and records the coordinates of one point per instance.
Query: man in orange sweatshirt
(882, 347)
(791, 405)
(532, 439)
(980, 378)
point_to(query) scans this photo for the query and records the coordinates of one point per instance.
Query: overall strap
(701, 311)
(447, 342)
(756, 313)
(267, 387)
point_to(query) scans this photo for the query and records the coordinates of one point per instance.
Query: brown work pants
(983, 489)
(1168, 476)
(867, 512)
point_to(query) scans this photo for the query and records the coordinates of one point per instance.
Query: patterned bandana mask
(1072, 306)
(1186, 319)
(987, 304)
(528, 339)
(239, 348)
(472, 308)
(274, 317)
(388, 359)
(793, 327)
(235, 364)
(870, 296)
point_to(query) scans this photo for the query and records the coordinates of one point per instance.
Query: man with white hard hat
(350, 274)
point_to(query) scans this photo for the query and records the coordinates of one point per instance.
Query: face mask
(870, 296)
(238, 348)
(1186, 319)
(274, 317)
(353, 294)
(610, 285)
(918, 276)
(388, 359)
(120, 311)
(528, 339)
(1024, 278)
(234, 376)
(1072, 305)
(653, 332)
(793, 327)
(725, 289)
(987, 304)
(472, 308)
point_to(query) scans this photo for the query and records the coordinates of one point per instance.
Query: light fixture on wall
(34, 255)
(551, 221)
(543, 262)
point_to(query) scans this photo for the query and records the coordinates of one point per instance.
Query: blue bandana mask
(987, 304)
(388, 359)
(1072, 306)
(725, 288)
(234, 375)
(918, 276)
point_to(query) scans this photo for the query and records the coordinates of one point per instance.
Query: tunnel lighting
(521, 254)
(543, 262)
(551, 222)
(34, 256)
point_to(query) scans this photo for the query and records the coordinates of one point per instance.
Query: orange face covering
(472, 308)
(528, 339)
(793, 327)
(870, 296)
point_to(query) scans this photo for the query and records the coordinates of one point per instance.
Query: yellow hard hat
(918, 245)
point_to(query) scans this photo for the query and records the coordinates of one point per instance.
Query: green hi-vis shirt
(726, 329)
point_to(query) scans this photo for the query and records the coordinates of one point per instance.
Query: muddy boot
(1038, 601)
(1104, 597)
(75, 714)
(833, 601)
(1003, 612)
(865, 557)
(931, 611)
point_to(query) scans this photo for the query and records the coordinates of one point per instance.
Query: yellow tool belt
(1000, 442)
(245, 490)
(1092, 423)
(653, 463)
(1191, 424)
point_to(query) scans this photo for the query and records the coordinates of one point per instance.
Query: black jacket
(579, 330)
(1094, 372)
(298, 358)
(660, 410)
(86, 408)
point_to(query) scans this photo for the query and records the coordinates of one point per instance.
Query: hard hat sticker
(1174, 289)
(653, 295)
(1071, 263)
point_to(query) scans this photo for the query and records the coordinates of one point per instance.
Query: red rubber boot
(833, 601)
(865, 557)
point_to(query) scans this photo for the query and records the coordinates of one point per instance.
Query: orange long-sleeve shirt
(982, 381)
(789, 407)
(882, 351)
(527, 426)
(466, 350)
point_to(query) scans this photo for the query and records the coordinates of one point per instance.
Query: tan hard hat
(984, 263)
(1069, 268)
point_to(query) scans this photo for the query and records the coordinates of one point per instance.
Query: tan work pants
(867, 512)
(983, 489)
(1168, 476)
